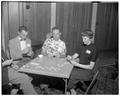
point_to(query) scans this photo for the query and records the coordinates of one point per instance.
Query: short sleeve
(64, 46)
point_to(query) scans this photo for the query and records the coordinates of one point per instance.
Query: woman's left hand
(73, 62)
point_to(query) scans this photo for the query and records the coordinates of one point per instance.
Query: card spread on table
(34, 63)
(52, 67)
(49, 66)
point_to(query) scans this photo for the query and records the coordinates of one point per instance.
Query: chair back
(97, 66)
(95, 71)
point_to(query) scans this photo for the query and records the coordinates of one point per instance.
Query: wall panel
(43, 20)
(29, 18)
(37, 19)
(5, 26)
(35, 15)
(72, 19)
(13, 19)
(107, 26)
(20, 13)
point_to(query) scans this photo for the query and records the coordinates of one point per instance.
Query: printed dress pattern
(54, 48)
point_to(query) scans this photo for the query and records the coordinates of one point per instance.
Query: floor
(107, 82)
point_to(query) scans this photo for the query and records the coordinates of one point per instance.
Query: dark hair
(55, 28)
(87, 33)
(22, 28)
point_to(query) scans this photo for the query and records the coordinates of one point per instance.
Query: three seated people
(20, 48)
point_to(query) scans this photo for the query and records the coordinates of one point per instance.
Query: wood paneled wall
(36, 16)
(107, 26)
(72, 19)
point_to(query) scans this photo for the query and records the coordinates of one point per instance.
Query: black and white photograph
(59, 48)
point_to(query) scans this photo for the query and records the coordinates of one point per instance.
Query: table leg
(65, 85)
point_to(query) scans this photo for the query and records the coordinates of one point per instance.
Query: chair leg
(94, 78)
(84, 85)
(89, 86)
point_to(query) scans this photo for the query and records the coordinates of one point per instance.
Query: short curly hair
(56, 28)
(22, 28)
(87, 33)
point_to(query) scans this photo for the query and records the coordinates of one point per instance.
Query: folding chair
(96, 72)
(92, 82)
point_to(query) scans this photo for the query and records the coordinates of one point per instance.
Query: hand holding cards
(40, 56)
(69, 57)
(75, 56)
(72, 57)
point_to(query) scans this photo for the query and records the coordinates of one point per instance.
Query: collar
(20, 39)
(56, 40)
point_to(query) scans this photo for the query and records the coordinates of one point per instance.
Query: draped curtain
(107, 26)
(72, 18)
(35, 16)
